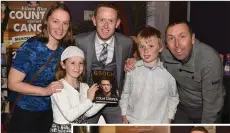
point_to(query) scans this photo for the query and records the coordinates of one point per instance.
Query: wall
(161, 14)
(77, 9)
(211, 24)
(209, 19)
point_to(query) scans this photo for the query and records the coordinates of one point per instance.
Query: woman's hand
(54, 87)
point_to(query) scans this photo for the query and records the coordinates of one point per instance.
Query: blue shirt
(28, 60)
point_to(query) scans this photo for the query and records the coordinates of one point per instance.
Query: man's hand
(130, 64)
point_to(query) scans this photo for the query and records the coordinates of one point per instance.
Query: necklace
(78, 86)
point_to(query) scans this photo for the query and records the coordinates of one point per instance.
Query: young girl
(74, 103)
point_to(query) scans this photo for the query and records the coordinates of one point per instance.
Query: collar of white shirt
(159, 64)
(98, 41)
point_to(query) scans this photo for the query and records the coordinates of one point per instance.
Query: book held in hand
(108, 91)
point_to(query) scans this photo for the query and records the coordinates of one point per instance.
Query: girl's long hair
(61, 73)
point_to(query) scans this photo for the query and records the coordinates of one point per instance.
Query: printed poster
(22, 20)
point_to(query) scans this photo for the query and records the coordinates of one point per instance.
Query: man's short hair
(179, 21)
(108, 5)
(202, 129)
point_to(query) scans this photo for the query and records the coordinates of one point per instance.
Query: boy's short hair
(202, 129)
(147, 33)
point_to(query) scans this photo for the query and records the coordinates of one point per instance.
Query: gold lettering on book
(103, 73)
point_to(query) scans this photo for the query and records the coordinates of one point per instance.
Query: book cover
(108, 91)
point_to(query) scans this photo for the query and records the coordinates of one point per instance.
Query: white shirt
(69, 104)
(149, 96)
(99, 47)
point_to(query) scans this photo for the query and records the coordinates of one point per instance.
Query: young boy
(150, 93)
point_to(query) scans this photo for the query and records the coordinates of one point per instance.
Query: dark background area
(132, 14)
(210, 22)
(209, 19)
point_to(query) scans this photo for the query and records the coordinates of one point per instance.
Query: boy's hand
(170, 121)
(124, 119)
(130, 64)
